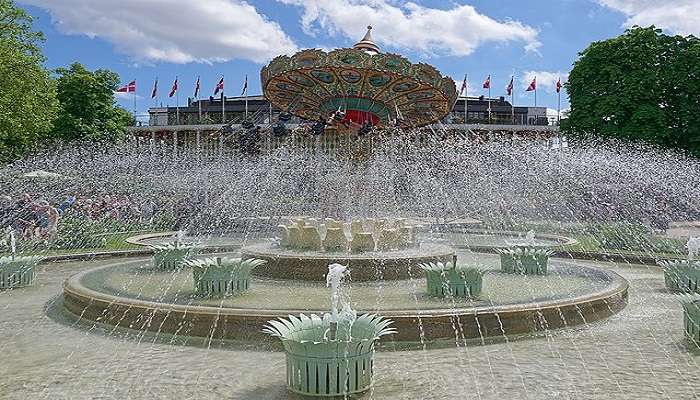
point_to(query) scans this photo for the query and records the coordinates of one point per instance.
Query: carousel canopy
(363, 83)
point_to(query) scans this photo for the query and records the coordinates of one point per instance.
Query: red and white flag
(129, 88)
(533, 85)
(219, 87)
(154, 92)
(509, 88)
(196, 89)
(487, 83)
(464, 85)
(173, 90)
(559, 86)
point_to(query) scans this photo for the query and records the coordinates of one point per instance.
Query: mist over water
(501, 183)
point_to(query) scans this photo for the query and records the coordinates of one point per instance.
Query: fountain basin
(369, 266)
(570, 295)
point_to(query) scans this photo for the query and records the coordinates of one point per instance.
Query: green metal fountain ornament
(331, 355)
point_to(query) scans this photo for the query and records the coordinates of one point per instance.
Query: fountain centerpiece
(331, 355)
(374, 249)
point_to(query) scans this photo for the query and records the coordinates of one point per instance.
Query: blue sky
(144, 39)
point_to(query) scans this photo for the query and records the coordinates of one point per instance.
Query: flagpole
(246, 97)
(558, 105)
(199, 102)
(135, 123)
(512, 99)
(466, 99)
(177, 103)
(223, 102)
(490, 98)
(535, 91)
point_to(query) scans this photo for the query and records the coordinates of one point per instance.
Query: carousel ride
(354, 90)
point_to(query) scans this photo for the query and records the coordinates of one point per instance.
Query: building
(210, 111)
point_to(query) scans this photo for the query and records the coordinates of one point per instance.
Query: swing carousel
(358, 88)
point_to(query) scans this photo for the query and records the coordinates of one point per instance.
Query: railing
(208, 140)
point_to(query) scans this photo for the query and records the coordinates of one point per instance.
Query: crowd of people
(36, 218)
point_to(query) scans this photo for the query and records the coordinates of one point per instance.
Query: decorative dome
(367, 44)
(366, 85)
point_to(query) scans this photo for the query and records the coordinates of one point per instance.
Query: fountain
(331, 355)
(684, 275)
(381, 249)
(172, 256)
(17, 271)
(222, 276)
(525, 260)
(691, 317)
(144, 327)
(453, 280)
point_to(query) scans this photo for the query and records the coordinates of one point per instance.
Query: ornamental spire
(367, 43)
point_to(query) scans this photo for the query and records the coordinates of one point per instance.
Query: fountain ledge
(247, 324)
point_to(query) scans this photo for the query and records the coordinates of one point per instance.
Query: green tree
(88, 108)
(27, 94)
(642, 85)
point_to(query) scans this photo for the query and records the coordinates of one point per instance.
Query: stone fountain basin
(134, 295)
(285, 263)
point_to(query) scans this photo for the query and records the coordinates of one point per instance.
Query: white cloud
(178, 31)
(677, 16)
(456, 31)
(546, 80)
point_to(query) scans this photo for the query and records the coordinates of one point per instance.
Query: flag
(509, 88)
(245, 86)
(219, 87)
(173, 90)
(196, 89)
(559, 86)
(533, 85)
(129, 88)
(487, 83)
(154, 92)
(464, 84)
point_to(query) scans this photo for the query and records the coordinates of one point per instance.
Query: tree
(643, 85)
(27, 94)
(88, 110)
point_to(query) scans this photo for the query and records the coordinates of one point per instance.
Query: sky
(147, 39)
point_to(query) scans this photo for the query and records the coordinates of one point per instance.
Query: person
(23, 217)
(65, 205)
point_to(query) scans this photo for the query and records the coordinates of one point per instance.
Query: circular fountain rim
(589, 306)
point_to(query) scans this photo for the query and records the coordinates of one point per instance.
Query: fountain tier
(367, 266)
